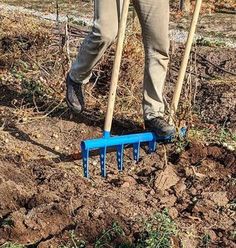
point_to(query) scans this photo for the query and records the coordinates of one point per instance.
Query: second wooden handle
(183, 68)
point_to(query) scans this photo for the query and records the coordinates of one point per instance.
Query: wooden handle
(116, 67)
(183, 68)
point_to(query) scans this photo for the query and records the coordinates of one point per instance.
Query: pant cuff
(150, 116)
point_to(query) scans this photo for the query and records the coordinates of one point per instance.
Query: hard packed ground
(184, 195)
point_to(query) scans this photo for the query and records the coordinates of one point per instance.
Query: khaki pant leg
(104, 32)
(154, 19)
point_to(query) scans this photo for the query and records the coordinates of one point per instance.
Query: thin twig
(57, 12)
(67, 37)
(218, 67)
(196, 80)
(35, 62)
(96, 80)
(166, 104)
(176, 69)
(45, 115)
(225, 11)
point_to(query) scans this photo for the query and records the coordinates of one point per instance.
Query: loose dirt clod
(166, 179)
(220, 198)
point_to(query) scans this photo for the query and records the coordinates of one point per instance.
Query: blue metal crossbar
(119, 142)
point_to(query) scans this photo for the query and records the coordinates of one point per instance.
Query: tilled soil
(42, 200)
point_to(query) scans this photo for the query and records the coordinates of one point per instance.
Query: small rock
(133, 169)
(95, 162)
(97, 213)
(152, 192)
(135, 214)
(6, 141)
(173, 212)
(188, 171)
(130, 180)
(24, 119)
(57, 148)
(56, 136)
(125, 185)
(229, 147)
(38, 135)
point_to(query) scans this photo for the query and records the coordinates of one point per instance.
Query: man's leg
(104, 31)
(154, 19)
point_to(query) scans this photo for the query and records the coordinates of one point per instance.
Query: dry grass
(66, 7)
(33, 62)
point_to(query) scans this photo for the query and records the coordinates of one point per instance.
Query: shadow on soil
(91, 118)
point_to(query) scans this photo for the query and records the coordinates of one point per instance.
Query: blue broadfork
(119, 142)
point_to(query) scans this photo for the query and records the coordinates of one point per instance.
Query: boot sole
(73, 108)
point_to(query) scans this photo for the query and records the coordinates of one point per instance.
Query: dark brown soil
(42, 200)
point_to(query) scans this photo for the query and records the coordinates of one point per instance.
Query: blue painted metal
(152, 146)
(103, 155)
(112, 141)
(120, 157)
(119, 143)
(106, 134)
(136, 151)
(85, 154)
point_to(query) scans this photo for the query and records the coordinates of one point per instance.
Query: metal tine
(120, 156)
(103, 156)
(136, 151)
(152, 146)
(86, 162)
